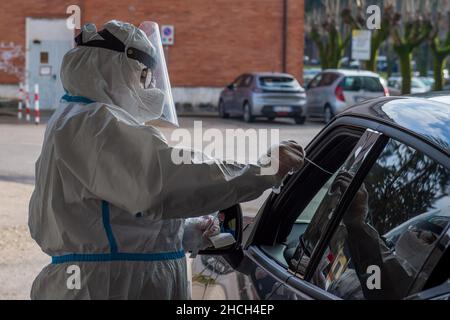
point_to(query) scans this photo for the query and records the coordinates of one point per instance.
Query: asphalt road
(20, 144)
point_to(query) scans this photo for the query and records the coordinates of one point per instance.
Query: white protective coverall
(108, 201)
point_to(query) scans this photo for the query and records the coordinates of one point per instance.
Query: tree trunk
(405, 70)
(438, 65)
(372, 64)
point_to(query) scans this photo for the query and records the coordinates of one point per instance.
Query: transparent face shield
(158, 76)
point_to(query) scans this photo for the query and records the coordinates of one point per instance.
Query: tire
(248, 117)
(222, 112)
(327, 114)
(300, 120)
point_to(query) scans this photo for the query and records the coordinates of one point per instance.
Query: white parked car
(333, 90)
(417, 85)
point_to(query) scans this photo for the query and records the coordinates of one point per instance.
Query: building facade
(214, 40)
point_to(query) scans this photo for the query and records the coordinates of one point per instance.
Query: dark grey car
(268, 95)
(371, 220)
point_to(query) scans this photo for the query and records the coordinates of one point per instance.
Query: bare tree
(324, 28)
(409, 29)
(354, 16)
(440, 41)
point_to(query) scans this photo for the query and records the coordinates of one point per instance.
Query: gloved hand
(197, 232)
(288, 156)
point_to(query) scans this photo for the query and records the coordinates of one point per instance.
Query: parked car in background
(417, 86)
(268, 95)
(428, 81)
(333, 90)
(446, 74)
(318, 236)
(347, 63)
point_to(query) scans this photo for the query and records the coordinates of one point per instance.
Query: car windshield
(416, 83)
(278, 82)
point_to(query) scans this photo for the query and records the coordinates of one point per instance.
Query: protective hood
(106, 66)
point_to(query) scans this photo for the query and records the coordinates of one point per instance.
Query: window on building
(44, 57)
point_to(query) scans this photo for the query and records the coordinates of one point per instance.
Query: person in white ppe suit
(109, 204)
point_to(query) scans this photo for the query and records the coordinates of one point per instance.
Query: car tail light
(386, 92)
(339, 92)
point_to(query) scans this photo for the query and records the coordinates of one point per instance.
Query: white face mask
(153, 103)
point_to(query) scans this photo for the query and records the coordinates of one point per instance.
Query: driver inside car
(357, 245)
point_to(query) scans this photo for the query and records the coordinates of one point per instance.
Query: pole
(37, 115)
(20, 106)
(27, 103)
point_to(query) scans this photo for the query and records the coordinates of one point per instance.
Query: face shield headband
(112, 43)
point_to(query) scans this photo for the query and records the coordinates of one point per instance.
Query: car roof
(353, 72)
(271, 74)
(426, 116)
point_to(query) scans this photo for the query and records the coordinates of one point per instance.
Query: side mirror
(230, 223)
(231, 86)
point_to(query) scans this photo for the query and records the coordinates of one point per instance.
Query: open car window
(390, 228)
(320, 210)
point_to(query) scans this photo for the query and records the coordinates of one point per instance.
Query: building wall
(215, 40)
(12, 28)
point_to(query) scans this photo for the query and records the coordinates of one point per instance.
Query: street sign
(361, 41)
(167, 35)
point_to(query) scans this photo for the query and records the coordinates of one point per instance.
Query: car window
(415, 83)
(278, 82)
(327, 79)
(389, 229)
(236, 81)
(242, 81)
(319, 211)
(394, 83)
(352, 83)
(315, 81)
(247, 81)
(372, 84)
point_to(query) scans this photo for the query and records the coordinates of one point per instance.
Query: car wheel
(328, 114)
(222, 112)
(248, 117)
(300, 120)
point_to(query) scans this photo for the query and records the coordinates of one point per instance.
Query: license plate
(282, 109)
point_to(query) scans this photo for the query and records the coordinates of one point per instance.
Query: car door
(266, 267)
(229, 94)
(241, 93)
(393, 234)
(312, 96)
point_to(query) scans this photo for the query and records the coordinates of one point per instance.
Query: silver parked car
(268, 95)
(417, 86)
(333, 90)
